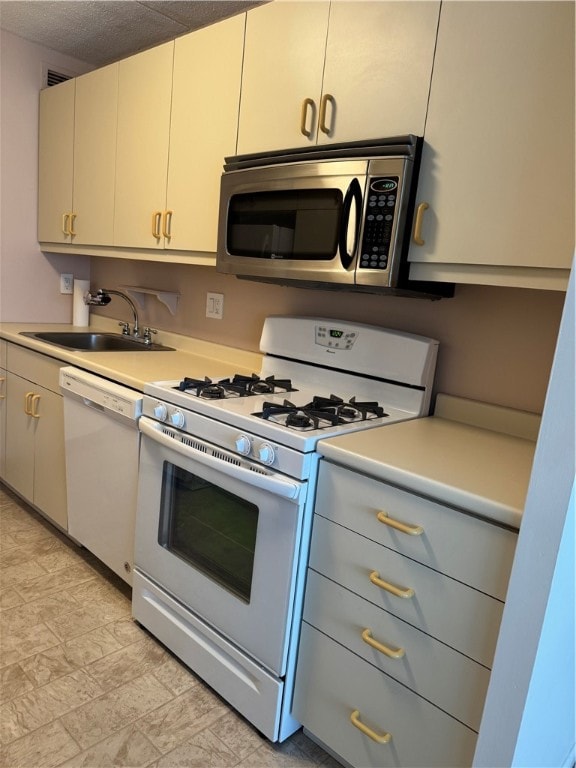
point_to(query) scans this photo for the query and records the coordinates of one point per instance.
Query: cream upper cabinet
(77, 153)
(282, 75)
(378, 67)
(203, 130)
(498, 167)
(144, 97)
(95, 156)
(56, 162)
(341, 71)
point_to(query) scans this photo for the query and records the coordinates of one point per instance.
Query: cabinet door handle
(417, 236)
(71, 230)
(2, 381)
(28, 403)
(396, 591)
(392, 653)
(156, 224)
(379, 738)
(167, 224)
(34, 407)
(411, 530)
(327, 99)
(304, 114)
(65, 218)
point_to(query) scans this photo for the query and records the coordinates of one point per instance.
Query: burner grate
(320, 413)
(238, 385)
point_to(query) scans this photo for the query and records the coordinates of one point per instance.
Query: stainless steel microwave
(324, 217)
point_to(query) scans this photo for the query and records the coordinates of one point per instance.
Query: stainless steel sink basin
(84, 341)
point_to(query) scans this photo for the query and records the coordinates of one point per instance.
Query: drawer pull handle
(303, 115)
(411, 530)
(28, 403)
(379, 738)
(34, 409)
(417, 237)
(397, 591)
(392, 653)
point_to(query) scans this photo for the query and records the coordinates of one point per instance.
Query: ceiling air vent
(53, 77)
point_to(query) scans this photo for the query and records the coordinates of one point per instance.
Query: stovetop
(319, 378)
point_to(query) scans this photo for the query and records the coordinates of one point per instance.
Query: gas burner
(238, 385)
(320, 413)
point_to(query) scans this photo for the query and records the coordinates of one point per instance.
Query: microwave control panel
(382, 196)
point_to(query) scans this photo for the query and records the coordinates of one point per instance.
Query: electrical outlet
(215, 305)
(66, 283)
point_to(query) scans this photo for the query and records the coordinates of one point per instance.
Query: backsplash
(496, 344)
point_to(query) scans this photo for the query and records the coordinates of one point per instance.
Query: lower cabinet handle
(327, 98)
(411, 530)
(28, 403)
(2, 382)
(392, 653)
(34, 410)
(156, 223)
(396, 591)
(303, 115)
(167, 224)
(379, 738)
(417, 237)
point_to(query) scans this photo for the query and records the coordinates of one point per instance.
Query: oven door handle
(268, 482)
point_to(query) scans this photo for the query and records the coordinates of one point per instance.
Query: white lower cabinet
(403, 604)
(35, 464)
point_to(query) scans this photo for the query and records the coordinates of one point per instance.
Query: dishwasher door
(102, 451)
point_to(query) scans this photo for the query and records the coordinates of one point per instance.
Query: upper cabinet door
(282, 75)
(378, 68)
(95, 156)
(144, 95)
(498, 165)
(55, 163)
(204, 125)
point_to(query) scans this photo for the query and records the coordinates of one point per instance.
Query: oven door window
(209, 528)
(293, 224)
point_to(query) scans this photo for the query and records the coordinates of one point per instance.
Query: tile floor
(83, 685)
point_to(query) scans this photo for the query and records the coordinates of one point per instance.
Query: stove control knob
(161, 412)
(266, 453)
(177, 418)
(243, 445)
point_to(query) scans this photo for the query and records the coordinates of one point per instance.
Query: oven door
(222, 535)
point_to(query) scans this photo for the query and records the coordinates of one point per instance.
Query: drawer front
(34, 367)
(466, 548)
(445, 677)
(455, 614)
(332, 682)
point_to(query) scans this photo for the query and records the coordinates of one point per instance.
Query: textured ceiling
(101, 31)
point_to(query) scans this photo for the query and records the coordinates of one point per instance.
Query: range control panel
(335, 337)
(378, 223)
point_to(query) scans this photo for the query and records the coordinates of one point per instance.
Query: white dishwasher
(102, 452)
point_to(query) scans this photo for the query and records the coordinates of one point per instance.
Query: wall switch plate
(215, 305)
(66, 283)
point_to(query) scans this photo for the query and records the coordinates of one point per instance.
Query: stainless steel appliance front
(340, 216)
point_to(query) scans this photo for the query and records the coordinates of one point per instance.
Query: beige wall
(496, 344)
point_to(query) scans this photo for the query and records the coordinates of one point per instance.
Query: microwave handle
(353, 195)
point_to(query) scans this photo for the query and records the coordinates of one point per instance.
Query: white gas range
(226, 494)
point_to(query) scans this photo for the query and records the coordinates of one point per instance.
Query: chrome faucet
(102, 297)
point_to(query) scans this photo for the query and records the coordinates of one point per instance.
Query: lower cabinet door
(352, 708)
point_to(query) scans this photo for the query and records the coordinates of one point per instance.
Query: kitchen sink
(85, 341)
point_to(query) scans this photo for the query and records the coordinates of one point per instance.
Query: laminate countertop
(191, 357)
(475, 467)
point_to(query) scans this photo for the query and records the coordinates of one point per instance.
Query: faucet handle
(125, 328)
(147, 334)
